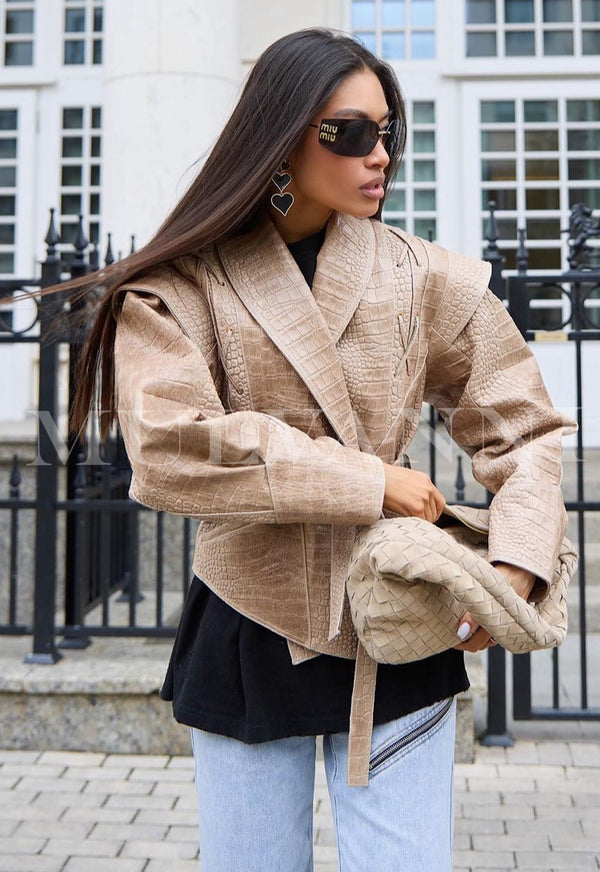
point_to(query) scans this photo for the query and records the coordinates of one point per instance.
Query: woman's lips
(375, 191)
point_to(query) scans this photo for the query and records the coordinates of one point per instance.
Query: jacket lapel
(344, 266)
(267, 280)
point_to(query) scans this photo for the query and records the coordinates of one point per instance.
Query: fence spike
(132, 251)
(81, 240)
(492, 252)
(52, 238)
(109, 257)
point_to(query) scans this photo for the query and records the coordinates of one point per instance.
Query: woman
(272, 347)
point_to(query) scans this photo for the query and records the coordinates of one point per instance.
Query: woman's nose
(379, 156)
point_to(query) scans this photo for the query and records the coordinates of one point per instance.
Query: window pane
(8, 148)
(8, 119)
(71, 176)
(423, 140)
(520, 43)
(368, 40)
(8, 177)
(425, 228)
(424, 201)
(423, 112)
(558, 10)
(507, 228)
(95, 146)
(585, 169)
(70, 204)
(7, 205)
(497, 111)
(363, 14)
(94, 204)
(542, 198)
(518, 11)
(583, 110)
(481, 11)
(481, 45)
(7, 263)
(98, 22)
(18, 54)
(423, 44)
(541, 110)
(541, 140)
(94, 175)
(544, 258)
(20, 21)
(584, 140)
(590, 10)
(498, 170)
(94, 232)
(96, 117)
(7, 234)
(541, 170)
(422, 13)
(72, 119)
(97, 51)
(558, 42)
(75, 20)
(504, 200)
(397, 222)
(393, 46)
(393, 13)
(396, 200)
(543, 228)
(498, 140)
(590, 42)
(72, 146)
(68, 235)
(590, 197)
(424, 170)
(74, 51)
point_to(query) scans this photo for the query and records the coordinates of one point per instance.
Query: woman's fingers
(472, 636)
(411, 493)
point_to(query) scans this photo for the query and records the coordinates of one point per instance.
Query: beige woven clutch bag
(410, 581)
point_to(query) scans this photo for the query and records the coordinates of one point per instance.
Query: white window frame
(538, 27)
(13, 38)
(89, 37)
(408, 29)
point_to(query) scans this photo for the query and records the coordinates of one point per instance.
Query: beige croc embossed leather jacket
(265, 410)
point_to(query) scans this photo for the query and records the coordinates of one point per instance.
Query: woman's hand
(411, 494)
(476, 638)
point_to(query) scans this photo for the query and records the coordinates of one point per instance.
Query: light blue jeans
(256, 801)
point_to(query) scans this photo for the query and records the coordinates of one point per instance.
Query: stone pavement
(534, 807)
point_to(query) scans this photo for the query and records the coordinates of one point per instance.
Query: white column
(172, 74)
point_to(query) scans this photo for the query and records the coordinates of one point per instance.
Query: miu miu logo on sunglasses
(328, 132)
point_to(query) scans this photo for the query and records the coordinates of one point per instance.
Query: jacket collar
(306, 325)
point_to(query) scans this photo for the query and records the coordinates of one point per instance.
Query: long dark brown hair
(289, 84)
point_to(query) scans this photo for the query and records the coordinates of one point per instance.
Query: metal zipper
(382, 756)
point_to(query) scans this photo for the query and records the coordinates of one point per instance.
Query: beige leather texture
(266, 410)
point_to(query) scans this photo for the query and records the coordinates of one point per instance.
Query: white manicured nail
(464, 630)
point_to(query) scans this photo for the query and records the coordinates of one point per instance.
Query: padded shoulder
(454, 283)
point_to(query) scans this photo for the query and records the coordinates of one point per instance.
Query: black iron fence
(84, 531)
(106, 566)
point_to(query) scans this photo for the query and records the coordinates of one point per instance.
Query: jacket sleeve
(190, 457)
(489, 390)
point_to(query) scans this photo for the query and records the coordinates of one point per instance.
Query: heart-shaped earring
(282, 202)
(281, 179)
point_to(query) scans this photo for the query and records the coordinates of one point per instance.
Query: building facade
(106, 107)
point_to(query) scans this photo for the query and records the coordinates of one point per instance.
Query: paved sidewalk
(532, 807)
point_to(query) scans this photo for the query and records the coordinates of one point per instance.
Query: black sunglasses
(354, 137)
